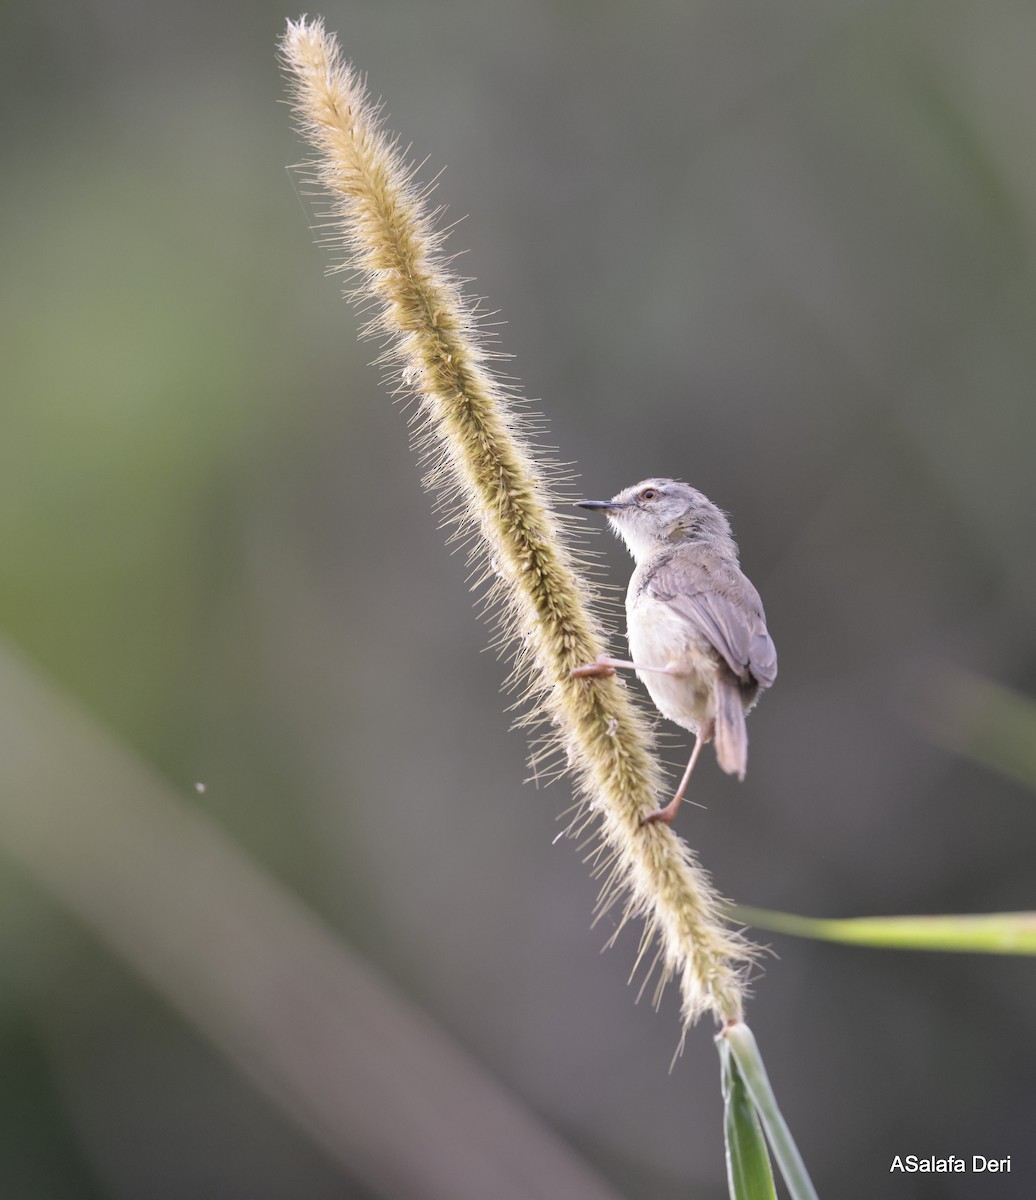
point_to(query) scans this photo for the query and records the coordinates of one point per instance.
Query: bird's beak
(605, 504)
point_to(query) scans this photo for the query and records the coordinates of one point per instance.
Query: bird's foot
(662, 816)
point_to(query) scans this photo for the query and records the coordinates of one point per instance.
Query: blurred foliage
(781, 251)
(992, 724)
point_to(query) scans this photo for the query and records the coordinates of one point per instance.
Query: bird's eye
(649, 493)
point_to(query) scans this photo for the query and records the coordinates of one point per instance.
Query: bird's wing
(723, 606)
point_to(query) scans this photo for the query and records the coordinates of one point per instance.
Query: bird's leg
(603, 665)
(667, 814)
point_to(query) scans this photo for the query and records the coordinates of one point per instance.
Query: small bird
(695, 625)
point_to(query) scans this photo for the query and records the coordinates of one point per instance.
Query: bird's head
(657, 513)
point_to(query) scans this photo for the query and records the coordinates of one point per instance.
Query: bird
(695, 624)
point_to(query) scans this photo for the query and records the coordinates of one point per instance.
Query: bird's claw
(659, 816)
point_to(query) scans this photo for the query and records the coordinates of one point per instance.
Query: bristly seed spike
(473, 435)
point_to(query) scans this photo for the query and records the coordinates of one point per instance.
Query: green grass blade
(749, 1176)
(986, 933)
(745, 1053)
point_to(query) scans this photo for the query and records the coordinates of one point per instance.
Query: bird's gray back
(706, 586)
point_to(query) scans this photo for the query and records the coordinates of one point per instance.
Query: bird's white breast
(658, 637)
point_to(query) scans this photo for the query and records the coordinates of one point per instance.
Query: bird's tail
(731, 730)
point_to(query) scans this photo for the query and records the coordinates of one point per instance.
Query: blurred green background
(783, 251)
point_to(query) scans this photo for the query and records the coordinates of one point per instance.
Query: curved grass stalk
(749, 1174)
(738, 1041)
